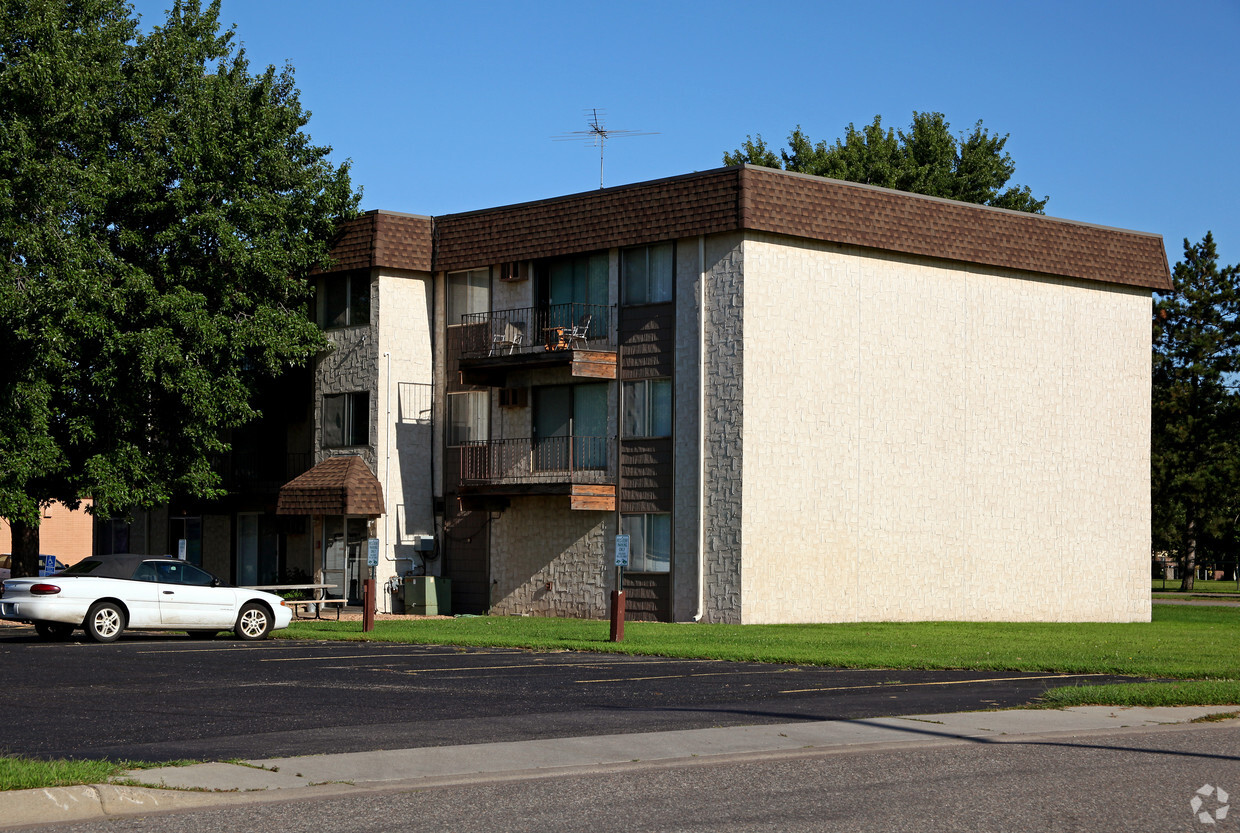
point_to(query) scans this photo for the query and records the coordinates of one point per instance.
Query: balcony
(584, 468)
(581, 337)
(264, 472)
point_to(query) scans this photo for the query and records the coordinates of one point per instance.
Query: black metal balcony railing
(538, 460)
(537, 329)
(264, 471)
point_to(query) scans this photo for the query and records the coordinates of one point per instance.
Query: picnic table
(318, 597)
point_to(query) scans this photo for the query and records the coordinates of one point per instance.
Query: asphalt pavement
(163, 697)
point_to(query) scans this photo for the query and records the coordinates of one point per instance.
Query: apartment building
(802, 400)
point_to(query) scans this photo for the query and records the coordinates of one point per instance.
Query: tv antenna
(597, 135)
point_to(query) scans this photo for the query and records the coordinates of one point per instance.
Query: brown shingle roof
(628, 215)
(384, 239)
(758, 199)
(879, 218)
(337, 486)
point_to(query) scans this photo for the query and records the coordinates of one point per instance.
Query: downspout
(701, 497)
(387, 464)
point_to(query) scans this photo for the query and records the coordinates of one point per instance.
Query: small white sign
(182, 548)
(372, 552)
(622, 550)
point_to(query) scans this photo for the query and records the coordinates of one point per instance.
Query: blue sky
(1124, 113)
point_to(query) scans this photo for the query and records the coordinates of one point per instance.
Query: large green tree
(160, 207)
(927, 159)
(1195, 448)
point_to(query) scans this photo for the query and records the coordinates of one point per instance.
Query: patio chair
(580, 332)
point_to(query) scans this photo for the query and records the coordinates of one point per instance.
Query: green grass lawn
(1180, 642)
(1199, 586)
(18, 773)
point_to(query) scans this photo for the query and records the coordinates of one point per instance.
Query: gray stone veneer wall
(686, 385)
(349, 365)
(724, 393)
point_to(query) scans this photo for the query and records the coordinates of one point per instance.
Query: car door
(188, 599)
(141, 595)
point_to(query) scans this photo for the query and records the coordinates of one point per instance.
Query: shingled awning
(336, 486)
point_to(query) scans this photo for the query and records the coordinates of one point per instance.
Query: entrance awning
(336, 486)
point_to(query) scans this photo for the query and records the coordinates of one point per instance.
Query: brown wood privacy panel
(646, 475)
(647, 341)
(648, 597)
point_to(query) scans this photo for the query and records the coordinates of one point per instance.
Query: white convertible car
(104, 594)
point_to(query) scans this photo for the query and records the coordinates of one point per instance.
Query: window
(175, 572)
(346, 419)
(468, 292)
(189, 530)
(648, 408)
(650, 541)
(468, 417)
(344, 300)
(647, 273)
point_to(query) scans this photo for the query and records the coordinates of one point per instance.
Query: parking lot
(164, 696)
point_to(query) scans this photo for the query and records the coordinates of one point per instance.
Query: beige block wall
(924, 441)
(402, 312)
(539, 540)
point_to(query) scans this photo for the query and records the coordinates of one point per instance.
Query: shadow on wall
(548, 560)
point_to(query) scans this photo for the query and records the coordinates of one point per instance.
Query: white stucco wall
(928, 441)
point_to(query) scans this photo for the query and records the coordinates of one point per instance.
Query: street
(1120, 780)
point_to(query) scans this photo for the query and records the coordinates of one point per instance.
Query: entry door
(590, 426)
(564, 411)
(333, 556)
(355, 559)
(257, 550)
(553, 418)
(344, 557)
(576, 286)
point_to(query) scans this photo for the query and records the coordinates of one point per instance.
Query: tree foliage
(160, 208)
(927, 159)
(1195, 448)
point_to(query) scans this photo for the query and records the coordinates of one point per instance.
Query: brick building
(65, 533)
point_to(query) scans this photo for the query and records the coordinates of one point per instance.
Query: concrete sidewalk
(280, 779)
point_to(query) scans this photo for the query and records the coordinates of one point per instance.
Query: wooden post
(368, 605)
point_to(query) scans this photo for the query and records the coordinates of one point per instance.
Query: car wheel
(202, 634)
(105, 622)
(54, 631)
(253, 623)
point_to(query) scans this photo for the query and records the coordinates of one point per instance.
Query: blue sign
(47, 565)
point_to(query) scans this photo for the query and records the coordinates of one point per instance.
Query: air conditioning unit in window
(513, 397)
(513, 270)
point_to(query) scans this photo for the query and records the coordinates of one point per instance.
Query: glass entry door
(570, 412)
(344, 557)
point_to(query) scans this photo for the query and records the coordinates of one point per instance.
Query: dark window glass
(359, 300)
(346, 419)
(83, 568)
(344, 300)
